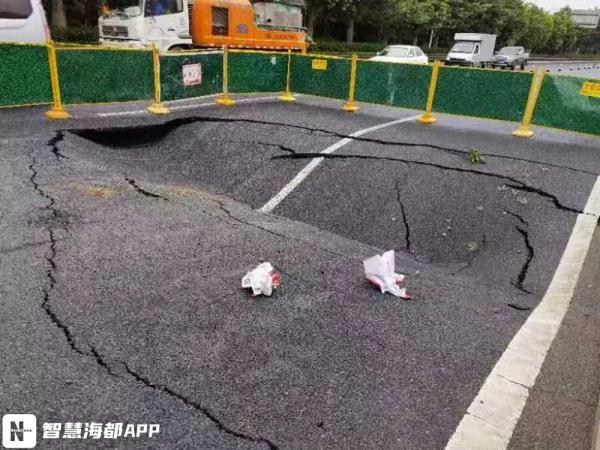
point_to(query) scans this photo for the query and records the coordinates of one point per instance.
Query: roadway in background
(584, 69)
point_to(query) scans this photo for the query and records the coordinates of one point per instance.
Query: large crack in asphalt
(523, 230)
(93, 352)
(408, 243)
(152, 133)
(59, 136)
(530, 255)
(143, 191)
(242, 221)
(198, 407)
(144, 134)
(50, 257)
(520, 185)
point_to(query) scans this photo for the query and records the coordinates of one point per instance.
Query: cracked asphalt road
(124, 241)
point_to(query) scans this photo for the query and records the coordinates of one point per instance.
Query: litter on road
(380, 270)
(262, 280)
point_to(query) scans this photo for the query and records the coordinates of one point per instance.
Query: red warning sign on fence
(590, 89)
(192, 74)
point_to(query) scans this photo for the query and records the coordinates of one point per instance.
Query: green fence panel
(404, 85)
(101, 76)
(257, 72)
(493, 94)
(561, 105)
(171, 75)
(311, 76)
(24, 75)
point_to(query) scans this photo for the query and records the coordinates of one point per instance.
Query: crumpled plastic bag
(262, 280)
(380, 270)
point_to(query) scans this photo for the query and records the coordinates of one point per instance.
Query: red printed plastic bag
(380, 270)
(261, 280)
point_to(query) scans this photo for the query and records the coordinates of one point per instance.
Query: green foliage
(516, 22)
(546, 33)
(79, 34)
(475, 157)
(328, 45)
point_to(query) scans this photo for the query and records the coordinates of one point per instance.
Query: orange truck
(185, 24)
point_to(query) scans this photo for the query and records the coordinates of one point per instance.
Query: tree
(563, 35)
(536, 32)
(59, 16)
(313, 9)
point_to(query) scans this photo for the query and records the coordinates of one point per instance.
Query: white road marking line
(191, 99)
(593, 203)
(492, 417)
(121, 113)
(314, 163)
(177, 108)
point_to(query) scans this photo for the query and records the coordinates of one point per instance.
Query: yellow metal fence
(82, 74)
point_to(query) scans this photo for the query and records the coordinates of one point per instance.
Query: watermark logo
(19, 431)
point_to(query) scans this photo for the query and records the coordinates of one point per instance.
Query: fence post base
(523, 131)
(351, 107)
(57, 113)
(158, 109)
(287, 97)
(427, 118)
(225, 100)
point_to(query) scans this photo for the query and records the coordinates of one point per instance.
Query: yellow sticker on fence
(590, 89)
(319, 64)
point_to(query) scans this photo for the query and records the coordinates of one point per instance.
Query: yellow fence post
(524, 129)
(287, 95)
(57, 112)
(351, 105)
(224, 99)
(428, 118)
(157, 107)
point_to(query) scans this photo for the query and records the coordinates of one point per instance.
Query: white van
(23, 21)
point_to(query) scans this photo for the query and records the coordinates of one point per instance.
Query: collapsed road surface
(124, 240)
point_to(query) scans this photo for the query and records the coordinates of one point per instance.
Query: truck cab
(472, 50)
(23, 21)
(138, 23)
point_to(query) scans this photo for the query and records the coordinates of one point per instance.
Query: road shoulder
(561, 409)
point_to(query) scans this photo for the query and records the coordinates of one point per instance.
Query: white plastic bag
(261, 280)
(380, 270)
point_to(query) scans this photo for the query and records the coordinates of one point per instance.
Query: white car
(23, 21)
(407, 54)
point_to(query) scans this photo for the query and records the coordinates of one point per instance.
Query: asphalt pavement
(125, 237)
